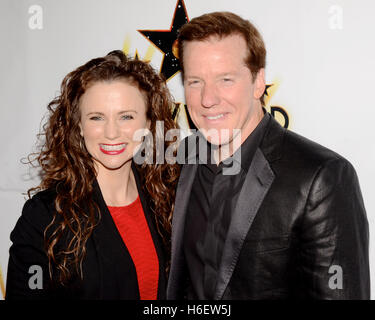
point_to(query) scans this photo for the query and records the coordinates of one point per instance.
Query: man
(290, 224)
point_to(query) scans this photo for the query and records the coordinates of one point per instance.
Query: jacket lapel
(156, 237)
(110, 248)
(257, 183)
(187, 155)
(185, 184)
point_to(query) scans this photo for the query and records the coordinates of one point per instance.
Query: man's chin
(220, 137)
(218, 142)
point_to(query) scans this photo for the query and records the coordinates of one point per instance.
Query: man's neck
(227, 150)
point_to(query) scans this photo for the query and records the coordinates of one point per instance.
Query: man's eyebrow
(191, 77)
(220, 74)
(227, 73)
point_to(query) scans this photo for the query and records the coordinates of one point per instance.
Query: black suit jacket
(108, 270)
(299, 230)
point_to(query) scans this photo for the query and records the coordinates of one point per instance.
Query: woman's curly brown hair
(67, 167)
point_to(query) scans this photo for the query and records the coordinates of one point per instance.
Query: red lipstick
(112, 149)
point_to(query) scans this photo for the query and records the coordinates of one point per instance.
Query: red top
(133, 228)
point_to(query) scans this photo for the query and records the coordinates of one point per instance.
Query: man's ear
(259, 84)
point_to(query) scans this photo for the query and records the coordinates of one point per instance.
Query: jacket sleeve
(334, 238)
(27, 276)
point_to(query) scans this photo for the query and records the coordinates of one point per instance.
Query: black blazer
(299, 224)
(108, 270)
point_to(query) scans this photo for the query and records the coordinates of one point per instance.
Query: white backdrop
(321, 60)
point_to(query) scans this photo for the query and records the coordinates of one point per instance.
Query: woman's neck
(117, 186)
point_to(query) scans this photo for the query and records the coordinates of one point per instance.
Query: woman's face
(111, 112)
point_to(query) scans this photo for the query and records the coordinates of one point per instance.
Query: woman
(99, 225)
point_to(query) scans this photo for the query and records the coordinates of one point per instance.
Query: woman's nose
(112, 130)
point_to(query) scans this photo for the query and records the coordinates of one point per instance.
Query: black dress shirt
(212, 201)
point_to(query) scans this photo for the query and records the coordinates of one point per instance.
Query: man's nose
(112, 130)
(209, 96)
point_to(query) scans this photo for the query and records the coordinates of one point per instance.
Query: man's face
(219, 89)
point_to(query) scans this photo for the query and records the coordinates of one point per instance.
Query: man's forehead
(216, 54)
(215, 38)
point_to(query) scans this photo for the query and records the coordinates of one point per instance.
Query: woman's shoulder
(37, 214)
(39, 209)
(44, 198)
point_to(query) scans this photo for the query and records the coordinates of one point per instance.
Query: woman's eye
(127, 117)
(95, 118)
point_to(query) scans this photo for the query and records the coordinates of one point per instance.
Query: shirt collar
(244, 155)
(252, 142)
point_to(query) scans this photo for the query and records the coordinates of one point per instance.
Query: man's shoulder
(292, 144)
(296, 151)
(322, 160)
(307, 149)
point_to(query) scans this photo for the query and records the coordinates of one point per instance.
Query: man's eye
(193, 83)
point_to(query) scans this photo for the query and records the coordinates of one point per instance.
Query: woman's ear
(80, 129)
